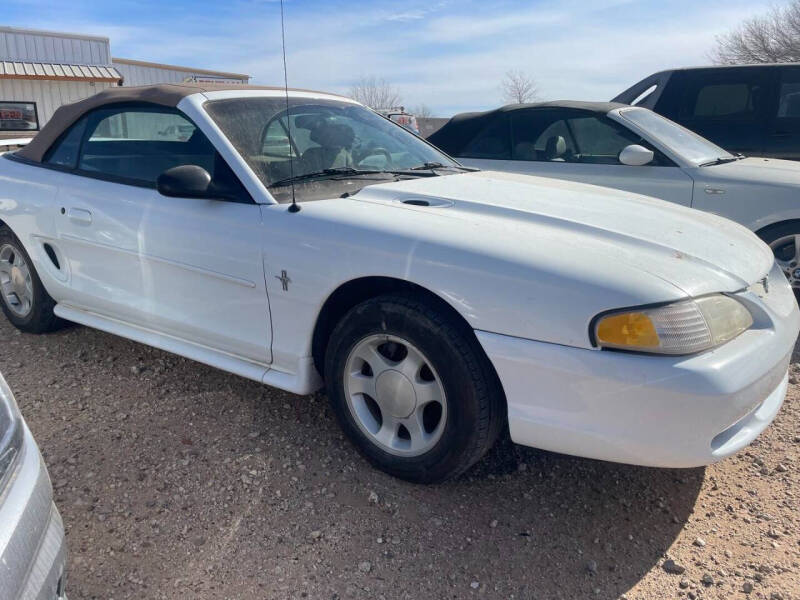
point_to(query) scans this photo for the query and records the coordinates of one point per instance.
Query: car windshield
(689, 145)
(315, 139)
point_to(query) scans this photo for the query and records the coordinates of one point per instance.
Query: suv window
(725, 100)
(736, 94)
(789, 96)
(726, 105)
(493, 142)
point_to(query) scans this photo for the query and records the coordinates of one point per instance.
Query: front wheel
(412, 388)
(23, 298)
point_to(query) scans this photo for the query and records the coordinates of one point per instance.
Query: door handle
(781, 134)
(714, 191)
(80, 215)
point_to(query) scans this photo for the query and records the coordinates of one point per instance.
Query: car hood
(583, 230)
(762, 170)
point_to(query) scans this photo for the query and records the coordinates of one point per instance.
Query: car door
(783, 136)
(728, 106)
(582, 146)
(188, 268)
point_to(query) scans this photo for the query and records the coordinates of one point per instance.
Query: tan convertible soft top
(163, 95)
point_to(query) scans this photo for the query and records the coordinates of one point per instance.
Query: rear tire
(24, 301)
(438, 405)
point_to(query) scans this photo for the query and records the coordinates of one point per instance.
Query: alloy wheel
(16, 284)
(787, 255)
(395, 395)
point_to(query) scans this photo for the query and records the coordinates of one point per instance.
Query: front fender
(755, 203)
(496, 289)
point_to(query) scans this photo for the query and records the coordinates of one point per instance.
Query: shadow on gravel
(591, 528)
(177, 480)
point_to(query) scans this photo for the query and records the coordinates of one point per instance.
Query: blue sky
(450, 55)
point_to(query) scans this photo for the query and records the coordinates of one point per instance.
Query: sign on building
(18, 116)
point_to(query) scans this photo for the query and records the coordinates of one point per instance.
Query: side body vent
(51, 254)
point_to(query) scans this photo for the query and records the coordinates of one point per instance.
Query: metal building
(137, 72)
(41, 70)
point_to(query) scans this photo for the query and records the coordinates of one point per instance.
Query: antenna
(294, 207)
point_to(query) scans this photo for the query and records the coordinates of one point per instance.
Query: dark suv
(751, 109)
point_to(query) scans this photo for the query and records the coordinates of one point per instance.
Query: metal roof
(47, 33)
(57, 71)
(190, 70)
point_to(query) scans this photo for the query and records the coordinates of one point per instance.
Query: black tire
(40, 318)
(785, 252)
(475, 401)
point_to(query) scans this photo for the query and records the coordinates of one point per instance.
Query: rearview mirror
(635, 155)
(185, 181)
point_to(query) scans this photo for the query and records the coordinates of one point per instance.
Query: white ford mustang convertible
(305, 239)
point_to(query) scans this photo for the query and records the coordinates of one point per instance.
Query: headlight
(10, 432)
(683, 327)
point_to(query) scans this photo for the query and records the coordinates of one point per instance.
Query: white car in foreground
(636, 150)
(435, 304)
(32, 548)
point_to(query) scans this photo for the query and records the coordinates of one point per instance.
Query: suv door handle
(80, 215)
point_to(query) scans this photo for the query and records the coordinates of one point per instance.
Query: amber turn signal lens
(633, 329)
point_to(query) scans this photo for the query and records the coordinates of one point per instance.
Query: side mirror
(185, 181)
(635, 155)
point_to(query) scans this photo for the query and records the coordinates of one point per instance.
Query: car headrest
(308, 121)
(333, 135)
(556, 146)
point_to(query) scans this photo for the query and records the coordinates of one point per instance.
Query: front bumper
(32, 548)
(662, 411)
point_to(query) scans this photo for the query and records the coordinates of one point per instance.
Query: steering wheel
(374, 152)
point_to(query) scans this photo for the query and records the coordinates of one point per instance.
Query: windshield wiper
(428, 166)
(722, 160)
(332, 172)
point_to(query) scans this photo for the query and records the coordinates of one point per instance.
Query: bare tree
(422, 110)
(519, 87)
(768, 38)
(375, 93)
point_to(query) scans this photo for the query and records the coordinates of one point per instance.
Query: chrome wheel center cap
(396, 393)
(796, 273)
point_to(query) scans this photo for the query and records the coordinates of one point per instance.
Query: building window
(18, 116)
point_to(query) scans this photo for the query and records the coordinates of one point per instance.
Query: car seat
(335, 141)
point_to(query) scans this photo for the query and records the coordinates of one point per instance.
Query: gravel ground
(176, 480)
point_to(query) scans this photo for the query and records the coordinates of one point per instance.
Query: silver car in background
(32, 548)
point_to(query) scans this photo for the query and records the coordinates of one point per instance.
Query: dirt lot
(176, 480)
